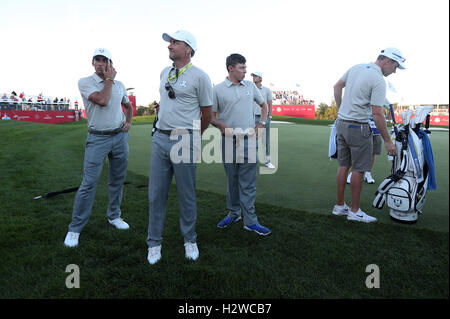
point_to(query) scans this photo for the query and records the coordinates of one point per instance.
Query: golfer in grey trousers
(267, 95)
(186, 100)
(108, 127)
(234, 116)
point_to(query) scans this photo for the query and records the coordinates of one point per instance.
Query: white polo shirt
(364, 86)
(103, 118)
(193, 89)
(267, 96)
(234, 103)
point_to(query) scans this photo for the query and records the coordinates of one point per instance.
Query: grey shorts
(355, 145)
(377, 144)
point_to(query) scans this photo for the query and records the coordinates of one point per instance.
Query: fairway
(310, 253)
(306, 177)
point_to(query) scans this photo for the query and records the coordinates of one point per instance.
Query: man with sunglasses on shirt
(184, 112)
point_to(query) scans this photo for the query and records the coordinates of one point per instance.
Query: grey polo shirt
(193, 90)
(267, 96)
(364, 87)
(234, 103)
(103, 118)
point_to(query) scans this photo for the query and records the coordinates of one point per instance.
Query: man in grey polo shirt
(233, 114)
(184, 113)
(108, 127)
(267, 95)
(365, 94)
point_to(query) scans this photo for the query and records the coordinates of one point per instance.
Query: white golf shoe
(191, 250)
(368, 178)
(71, 239)
(349, 178)
(270, 165)
(360, 216)
(154, 254)
(340, 210)
(119, 223)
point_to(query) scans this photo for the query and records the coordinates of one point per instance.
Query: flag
(391, 87)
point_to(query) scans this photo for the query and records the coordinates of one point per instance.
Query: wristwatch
(263, 123)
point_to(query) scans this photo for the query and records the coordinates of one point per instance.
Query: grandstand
(38, 102)
(438, 109)
(289, 98)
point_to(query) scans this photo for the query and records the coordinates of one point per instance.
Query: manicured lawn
(310, 253)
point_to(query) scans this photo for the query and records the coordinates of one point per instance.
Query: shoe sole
(119, 227)
(339, 213)
(191, 258)
(234, 221)
(261, 234)
(152, 263)
(360, 220)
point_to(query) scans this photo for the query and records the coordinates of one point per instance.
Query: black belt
(113, 132)
(348, 121)
(169, 132)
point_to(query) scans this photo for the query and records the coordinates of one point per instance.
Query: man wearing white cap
(365, 95)
(267, 95)
(186, 100)
(103, 97)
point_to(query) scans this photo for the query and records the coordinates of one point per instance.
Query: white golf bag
(404, 191)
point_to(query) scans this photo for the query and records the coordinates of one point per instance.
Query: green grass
(308, 255)
(306, 178)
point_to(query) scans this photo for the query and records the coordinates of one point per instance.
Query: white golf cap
(102, 52)
(257, 74)
(182, 35)
(396, 55)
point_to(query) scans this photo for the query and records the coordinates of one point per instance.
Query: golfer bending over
(365, 94)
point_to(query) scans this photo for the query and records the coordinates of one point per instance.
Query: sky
(297, 45)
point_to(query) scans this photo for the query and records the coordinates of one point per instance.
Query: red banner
(434, 119)
(133, 102)
(302, 111)
(49, 117)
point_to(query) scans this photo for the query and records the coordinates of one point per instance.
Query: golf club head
(421, 113)
(406, 116)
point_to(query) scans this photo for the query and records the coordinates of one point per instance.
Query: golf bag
(412, 173)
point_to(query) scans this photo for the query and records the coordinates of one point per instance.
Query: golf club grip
(69, 190)
(391, 108)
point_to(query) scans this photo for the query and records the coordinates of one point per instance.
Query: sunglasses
(169, 90)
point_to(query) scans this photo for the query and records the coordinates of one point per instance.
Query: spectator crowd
(289, 97)
(38, 102)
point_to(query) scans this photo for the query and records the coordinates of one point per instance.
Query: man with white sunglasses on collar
(184, 112)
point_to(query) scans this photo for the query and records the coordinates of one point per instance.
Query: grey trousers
(241, 187)
(162, 169)
(265, 137)
(98, 147)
